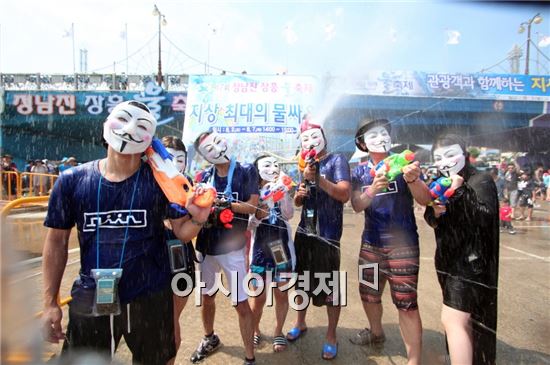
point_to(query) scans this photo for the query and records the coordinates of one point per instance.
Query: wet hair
(174, 143)
(137, 104)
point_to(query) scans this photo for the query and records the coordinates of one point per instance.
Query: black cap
(367, 124)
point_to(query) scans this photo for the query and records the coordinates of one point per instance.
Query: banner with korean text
(255, 113)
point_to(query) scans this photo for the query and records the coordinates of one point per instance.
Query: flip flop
(257, 340)
(280, 341)
(295, 333)
(332, 350)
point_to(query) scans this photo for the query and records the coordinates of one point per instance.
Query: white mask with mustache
(179, 159)
(268, 167)
(449, 160)
(313, 138)
(129, 129)
(214, 149)
(377, 139)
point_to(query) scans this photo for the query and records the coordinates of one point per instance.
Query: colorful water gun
(307, 157)
(273, 192)
(221, 215)
(441, 190)
(392, 166)
(175, 186)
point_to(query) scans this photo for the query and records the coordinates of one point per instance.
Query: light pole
(537, 19)
(162, 21)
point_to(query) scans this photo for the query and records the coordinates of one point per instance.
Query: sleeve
(341, 169)
(356, 181)
(429, 217)
(479, 196)
(60, 206)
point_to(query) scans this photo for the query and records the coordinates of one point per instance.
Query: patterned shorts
(399, 265)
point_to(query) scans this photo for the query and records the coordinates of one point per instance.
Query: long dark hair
(448, 139)
(255, 163)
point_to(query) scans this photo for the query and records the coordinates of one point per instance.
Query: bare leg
(246, 325)
(459, 334)
(257, 306)
(410, 326)
(333, 313)
(208, 313)
(179, 304)
(281, 310)
(374, 313)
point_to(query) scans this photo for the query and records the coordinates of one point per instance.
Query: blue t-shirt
(219, 240)
(330, 212)
(145, 263)
(389, 219)
(266, 233)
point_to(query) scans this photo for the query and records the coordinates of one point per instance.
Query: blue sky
(265, 37)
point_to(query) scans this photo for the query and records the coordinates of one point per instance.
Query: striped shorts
(399, 265)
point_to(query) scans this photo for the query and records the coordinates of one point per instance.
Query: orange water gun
(273, 192)
(174, 184)
(306, 157)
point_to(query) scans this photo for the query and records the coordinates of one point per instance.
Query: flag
(544, 41)
(453, 37)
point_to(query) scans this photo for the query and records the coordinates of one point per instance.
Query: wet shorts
(149, 333)
(459, 293)
(399, 265)
(320, 258)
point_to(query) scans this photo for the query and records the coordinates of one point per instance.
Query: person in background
(511, 186)
(467, 254)
(505, 214)
(9, 181)
(177, 150)
(499, 182)
(39, 182)
(546, 182)
(526, 189)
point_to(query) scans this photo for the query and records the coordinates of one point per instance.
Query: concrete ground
(523, 323)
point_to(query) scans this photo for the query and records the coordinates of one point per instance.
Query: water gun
(175, 185)
(273, 192)
(221, 215)
(441, 191)
(392, 166)
(307, 157)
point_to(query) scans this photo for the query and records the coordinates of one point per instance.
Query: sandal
(366, 337)
(280, 341)
(331, 350)
(257, 340)
(295, 333)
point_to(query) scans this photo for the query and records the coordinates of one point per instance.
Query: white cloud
(453, 37)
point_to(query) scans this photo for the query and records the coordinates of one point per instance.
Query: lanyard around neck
(228, 192)
(127, 219)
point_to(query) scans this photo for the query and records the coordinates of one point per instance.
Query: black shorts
(317, 255)
(151, 337)
(459, 293)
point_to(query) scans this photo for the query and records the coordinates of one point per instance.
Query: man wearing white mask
(389, 239)
(118, 209)
(467, 254)
(223, 246)
(324, 190)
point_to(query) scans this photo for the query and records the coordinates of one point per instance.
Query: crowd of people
(135, 243)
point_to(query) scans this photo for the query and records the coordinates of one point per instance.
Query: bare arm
(54, 260)
(248, 207)
(361, 200)
(417, 187)
(186, 229)
(339, 191)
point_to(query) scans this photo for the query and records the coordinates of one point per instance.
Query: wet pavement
(523, 322)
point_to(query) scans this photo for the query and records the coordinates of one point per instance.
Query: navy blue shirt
(330, 212)
(219, 240)
(389, 219)
(74, 201)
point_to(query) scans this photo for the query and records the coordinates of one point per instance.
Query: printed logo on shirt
(136, 218)
(235, 195)
(392, 189)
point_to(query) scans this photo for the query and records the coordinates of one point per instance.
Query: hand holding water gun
(175, 186)
(221, 214)
(392, 166)
(273, 192)
(441, 190)
(307, 157)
